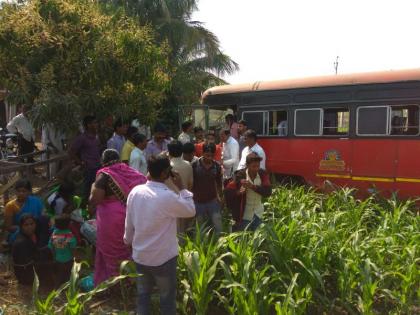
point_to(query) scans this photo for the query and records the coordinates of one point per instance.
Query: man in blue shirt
(117, 141)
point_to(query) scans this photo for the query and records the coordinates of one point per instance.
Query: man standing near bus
(251, 146)
(150, 230)
(242, 127)
(230, 154)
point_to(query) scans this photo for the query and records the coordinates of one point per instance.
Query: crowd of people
(141, 194)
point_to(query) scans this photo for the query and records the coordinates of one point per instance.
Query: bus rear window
(308, 122)
(372, 121)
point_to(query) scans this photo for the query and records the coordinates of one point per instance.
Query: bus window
(256, 120)
(372, 121)
(335, 122)
(308, 122)
(278, 123)
(404, 120)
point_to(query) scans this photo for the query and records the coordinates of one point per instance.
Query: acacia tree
(196, 61)
(66, 58)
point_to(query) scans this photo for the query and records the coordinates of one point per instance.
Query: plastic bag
(88, 230)
(86, 284)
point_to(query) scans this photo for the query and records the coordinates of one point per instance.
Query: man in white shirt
(52, 140)
(185, 171)
(138, 159)
(185, 137)
(150, 229)
(230, 154)
(179, 165)
(251, 146)
(21, 125)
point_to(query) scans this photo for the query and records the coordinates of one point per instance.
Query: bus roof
(320, 81)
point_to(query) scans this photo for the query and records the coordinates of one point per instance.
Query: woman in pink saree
(113, 183)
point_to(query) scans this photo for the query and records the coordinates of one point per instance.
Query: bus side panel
(288, 156)
(293, 156)
(333, 160)
(408, 169)
(374, 165)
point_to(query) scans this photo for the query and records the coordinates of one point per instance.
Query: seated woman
(114, 181)
(244, 194)
(24, 203)
(26, 254)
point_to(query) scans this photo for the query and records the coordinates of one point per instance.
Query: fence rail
(11, 171)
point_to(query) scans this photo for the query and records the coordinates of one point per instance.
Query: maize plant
(313, 254)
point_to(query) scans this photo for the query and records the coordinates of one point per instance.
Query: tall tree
(67, 58)
(196, 60)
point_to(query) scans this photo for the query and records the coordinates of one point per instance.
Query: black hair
(118, 123)
(131, 131)
(209, 147)
(198, 129)
(230, 117)
(243, 122)
(66, 188)
(159, 128)
(156, 165)
(225, 131)
(88, 120)
(253, 157)
(23, 183)
(62, 222)
(25, 217)
(211, 132)
(110, 156)
(188, 147)
(185, 125)
(251, 134)
(138, 138)
(175, 148)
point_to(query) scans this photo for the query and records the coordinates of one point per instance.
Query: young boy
(61, 201)
(188, 152)
(207, 187)
(62, 243)
(138, 157)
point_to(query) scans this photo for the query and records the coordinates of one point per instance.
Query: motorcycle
(8, 144)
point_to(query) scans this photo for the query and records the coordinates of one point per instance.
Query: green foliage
(75, 301)
(196, 61)
(198, 263)
(314, 254)
(67, 58)
(317, 254)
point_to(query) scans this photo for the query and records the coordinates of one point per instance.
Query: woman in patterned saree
(113, 183)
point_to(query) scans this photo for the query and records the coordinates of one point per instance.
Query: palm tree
(196, 59)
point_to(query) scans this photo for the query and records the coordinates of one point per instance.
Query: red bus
(356, 130)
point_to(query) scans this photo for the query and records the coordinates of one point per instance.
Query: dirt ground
(17, 299)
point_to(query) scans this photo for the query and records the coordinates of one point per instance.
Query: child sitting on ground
(62, 243)
(25, 252)
(63, 201)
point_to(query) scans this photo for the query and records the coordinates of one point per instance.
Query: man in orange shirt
(210, 138)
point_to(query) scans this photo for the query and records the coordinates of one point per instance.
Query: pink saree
(110, 221)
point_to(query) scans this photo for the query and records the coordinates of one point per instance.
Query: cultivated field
(315, 254)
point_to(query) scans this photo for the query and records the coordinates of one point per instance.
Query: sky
(280, 39)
